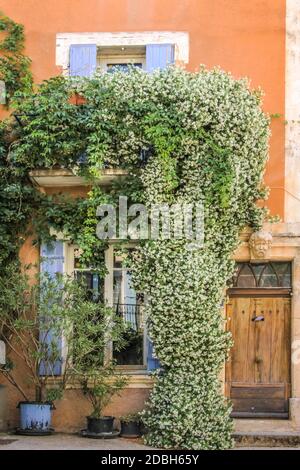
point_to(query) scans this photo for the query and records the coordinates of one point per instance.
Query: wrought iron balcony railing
(132, 314)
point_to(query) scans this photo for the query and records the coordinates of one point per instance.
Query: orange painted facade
(245, 38)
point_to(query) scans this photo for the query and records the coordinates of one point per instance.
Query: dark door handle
(258, 318)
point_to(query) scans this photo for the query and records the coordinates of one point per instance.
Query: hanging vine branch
(14, 65)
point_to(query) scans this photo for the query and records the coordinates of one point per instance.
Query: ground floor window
(119, 293)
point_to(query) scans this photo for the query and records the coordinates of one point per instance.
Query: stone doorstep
(266, 433)
(267, 439)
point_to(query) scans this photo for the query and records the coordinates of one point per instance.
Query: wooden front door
(258, 372)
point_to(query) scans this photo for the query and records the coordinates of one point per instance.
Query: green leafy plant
(100, 386)
(97, 374)
(14, 65)
(131, 418)
(33, 320)
(29, 326)
(182, 138)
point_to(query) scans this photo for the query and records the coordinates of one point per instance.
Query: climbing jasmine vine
(182, 138)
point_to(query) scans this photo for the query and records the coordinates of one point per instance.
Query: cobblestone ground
(73, 442)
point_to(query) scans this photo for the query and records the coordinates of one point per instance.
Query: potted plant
(130, 425)
(100, 379)
(99, 387)
(34, 316)
(26, 333)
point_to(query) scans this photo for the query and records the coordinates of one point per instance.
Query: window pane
(127, 307)
(268, 277)
(129, 292)
(111, 68)
(132, 354)
(284, 273)
(117, 295)
(95, 293)
(274, 274)
(246, 277)
(257, 269)
(94, 284)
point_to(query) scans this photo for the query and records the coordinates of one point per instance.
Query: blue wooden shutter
(52, 263)
(152, 362)
(83, 60)
(159, 56)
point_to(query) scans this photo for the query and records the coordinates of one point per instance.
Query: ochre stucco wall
(243, 37)
(70, 413)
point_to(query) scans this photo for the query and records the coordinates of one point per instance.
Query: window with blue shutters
(83, 58)
(52, 262)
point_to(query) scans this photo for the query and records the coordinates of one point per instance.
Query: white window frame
(103, 61)
(69, 269)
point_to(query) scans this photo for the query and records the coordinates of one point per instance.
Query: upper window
(274, 274)
(85, 59)
(110, 59)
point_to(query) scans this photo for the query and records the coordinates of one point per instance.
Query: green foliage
(100, 386)
(203, 138)
(131, 418)
(18, 201)
(14, 65)
(14, 39)
(34, 318)
(97, 329)
(23, 307)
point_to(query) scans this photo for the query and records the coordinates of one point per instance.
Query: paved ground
(73, 442)
(66, 442)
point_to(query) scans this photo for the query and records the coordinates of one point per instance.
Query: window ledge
(61, 177)
(135, 380)
(143, 380)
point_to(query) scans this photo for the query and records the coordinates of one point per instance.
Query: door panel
(258, 372)
(259, 405)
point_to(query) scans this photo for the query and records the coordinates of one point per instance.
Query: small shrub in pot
(100, 379)
(130, 425)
